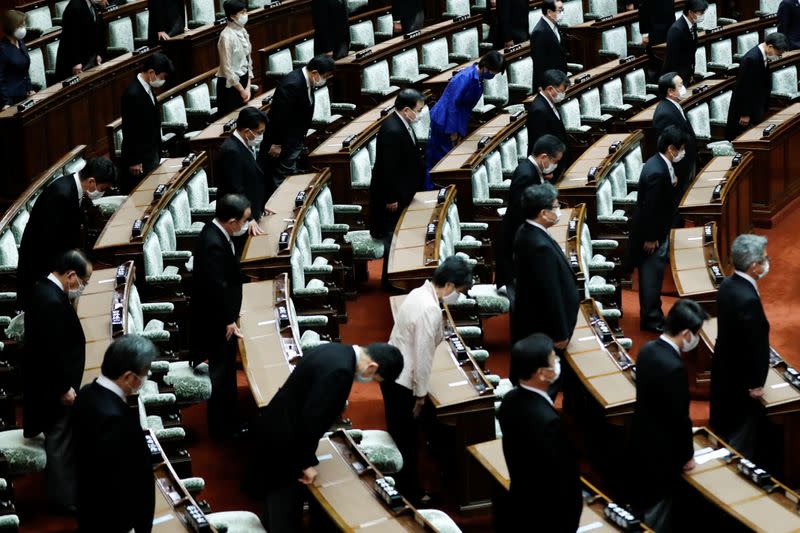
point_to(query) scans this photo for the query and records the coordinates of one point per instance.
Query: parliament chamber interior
(314, 271)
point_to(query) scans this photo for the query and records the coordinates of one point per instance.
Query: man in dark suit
(331, 28)
(670, 113)
(408, 15)
(82, 34)
(750, 98)
(662, 429)
(398, 172)
(512, 22)
(55, 355)
(290, 118)
(547, 49)
(655, 19)
(167, 18)
(789, 21)
(237, 172)
(543, 115)
(546, 299)
(214, 308)
(540, 166)
(741, 354)
(55, 222)
(302, 410)
(115, 474)
(542, 463)
(652, 220)
(682, 40)
(141, 121)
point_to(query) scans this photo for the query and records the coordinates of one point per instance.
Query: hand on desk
(418, 407)
(309, 475)
(268, 211)
(744, 121)
(275, 150)
(397, 27)
(561, 345)
(690, 464)
(455, 137)
(254, 229)
(757, 393)
(77, 69)
(163, 36)
(232, 330)
(650, 246)
(392, 207)
(135, 170)
(68, 398)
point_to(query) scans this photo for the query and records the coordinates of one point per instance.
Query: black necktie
(694, 32)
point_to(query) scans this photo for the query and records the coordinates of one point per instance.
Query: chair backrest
(51, 50)
(384, 24)
(605, 201)
(700, 120)
(435, 53)
(198, 98)
(9, 255)
(784, 81)
(165, 231)
(304, 51)
(619, 185)
(324, 203)
(376, 77)
(360, 169)
(533, 18)
(457, 8)
(202, 11)
(636, 33)
(173, 111)
(480, 184)
(135, 314)
(39, 19)
(635, 82)
(721, 52)
(153, 258)
(59, 7)
(721, 103)
(322, 105)
(19, 223)
(710, 19)
(197, 189)
(633, 164)
(615, 40)
(745, 42)
(602, 8)
(612, 93)
(768, 6)
(573, 13)
(313, 224)
(496, 89)
(405, 64)
(280, 62)
(520, 72)
(570, 112)
(362, 33)
(465, 43)
(118, 142)
(509, 155)
(180, 210)
(590, 103)
(700, 60)
(142, 23)
(522, 143)
(36, 69)
(372, 148)
(298, 274)
(494, 167)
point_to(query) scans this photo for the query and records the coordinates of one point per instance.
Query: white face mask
(20, 33)
(252, 143)
(361, 378)
(682, 92)
(95, 194)
(138, 389)
(765, 271)
(415, 119)
(156, 83)
(556, 371)
(74, 294)
(691, 344)
(679, 157)
(559, 16)
(559, 97)
(700, 18)
(557, 212)
(451, 298)
(320, 83)
(241, 20)
(243, 229)
(549, 169)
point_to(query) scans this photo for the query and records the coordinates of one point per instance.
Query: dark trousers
(391, 223)
(278, 168)
(130, 181)
(228, 98)
(61, 471)
(283, 510)
(404, 429)
(651, 277)
(222, 416)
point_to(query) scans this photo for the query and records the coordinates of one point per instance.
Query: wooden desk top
(468, 155)
(106, 294)
(713, 87)
(719, 482)
(490, 456)
(141, 204)
(598, 156)
(784, 120)
(286, 218)
(216, 130)
(602, 365)
(270, 348)
(694, 260)
(345, 489)
(363, 127)
(717, 173)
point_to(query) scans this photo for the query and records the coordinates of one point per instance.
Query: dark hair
(529, 355)
(672, 136)
(493, 61)
(159, 63)
(231, 7)
(322, 64)
(231, 206)
(665, 83)
(695, 5)
(408, 98)
(389, 359)
(455, 270)
(554, 78)
(11, 20)
(101, 169)
(548, 5)
(250, 118)
(778, 41)
(128, 353)
(548, 144)
(538, 197)
(685, 314)
(73, 260)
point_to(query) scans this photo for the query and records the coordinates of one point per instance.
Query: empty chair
(154, 269)
(719, 107)
(118, 143)
(522, 143)
(509, 156)
(480, 189)
(362, 35)
(200, 195)
(614, 42)
(590, 106)
(375, 79)
(181, 212)
(744, 43)
(323, 109)
(721, 56)
(58, 11)
(700, 119)
(619, 186)
(612, 98)
(482, 108)
(164, 229)
(766, 7)
(456, 8)
(140, 27)
(422, 126)
(701, 64)
(784, 82)
(495, 175)
(636, 87)
(405, 68)
(120, 36)
(201, 12)
(465, 45)
(355, 5)
(9, 254)
(636, 35)
(570, 112)
(573, 13)
(384, 27)
(279, 63)
(18, 224)
(633, 166)
(174, 118)
(435, 57)
(236, 521)
(51, 54)
(303, 53)
(360, 169)
(601, 8)
(495, 91)
(606, 214)
(38, 22)
(198, 103)
(36, 69)
(593, 264)
(520, 75)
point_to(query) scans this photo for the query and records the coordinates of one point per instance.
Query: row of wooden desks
(696, 267)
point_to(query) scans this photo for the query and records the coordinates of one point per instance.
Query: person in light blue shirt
(450, 116)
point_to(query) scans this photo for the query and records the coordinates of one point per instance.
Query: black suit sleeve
(677, 390)
(544, 268)
(649, 194)
(323, 26)
(132, 127)
(216, 285)
(388, 146)
(756, 341)
(645, 25)
(51, 346)
(229, 172)
(283, 111)
(319, 412)
(746, 88)
(504, 20)
(784, 18)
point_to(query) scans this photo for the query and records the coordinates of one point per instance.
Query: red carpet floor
(370, 321)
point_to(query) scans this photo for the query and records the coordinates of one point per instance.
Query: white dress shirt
(227, 236)
(534, 223)
(147, 88)
(536, 166)
(552, 106)
(763, 50)
(678, 105)
(668, 341)
(672, 177)
(749, 278)
(113, 387)
(417, 331)
(541, 393)
(55, 280)
(309, 88)
(408, 127)
(234, 54)
(77, 179)
(552, 27)
(236, 134)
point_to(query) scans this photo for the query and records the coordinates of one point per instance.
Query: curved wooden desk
(696, 268)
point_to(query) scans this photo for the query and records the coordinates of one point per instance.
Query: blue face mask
(487, 75)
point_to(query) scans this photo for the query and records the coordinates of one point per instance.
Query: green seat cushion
(24, 456)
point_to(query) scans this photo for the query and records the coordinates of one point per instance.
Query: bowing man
(450, 116)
